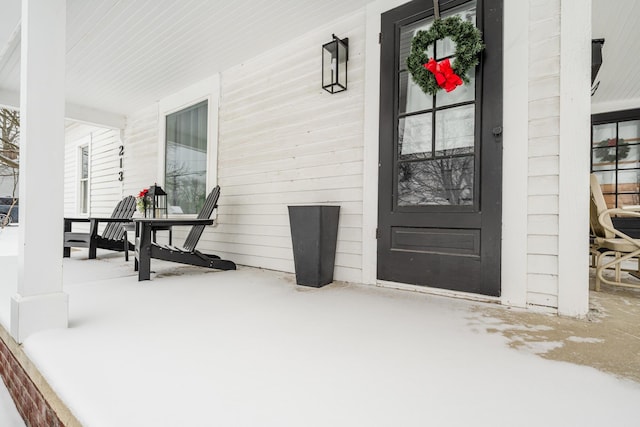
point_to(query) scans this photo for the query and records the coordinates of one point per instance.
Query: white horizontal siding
(541, 10)
(542, 264)
(542, 245)
(543, 185)
(543, 224)
(544, 27)
(544, 126)
(543, 151)
(545, 67)
(546, 284)
(544, 87)
(542, 42)
(285, 141)
(106, 190)
(140, 162)
(544, 165)
(541, 299)
(542, 108)
(543, 205)
(75, 134)
(545, 146)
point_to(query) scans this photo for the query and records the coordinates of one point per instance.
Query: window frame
(615, 118)
(84, 143)
(205, 90)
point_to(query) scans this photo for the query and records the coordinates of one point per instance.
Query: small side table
(131, 227)
(167, 228)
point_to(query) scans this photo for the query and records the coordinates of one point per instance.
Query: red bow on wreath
(445, 77)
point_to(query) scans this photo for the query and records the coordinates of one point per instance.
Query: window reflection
(407, 33)
(410, 97)
(446, 47)
(414, 135)
(455, 128)
(442, 181)
(464, 93)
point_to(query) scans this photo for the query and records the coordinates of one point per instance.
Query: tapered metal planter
(314, 233)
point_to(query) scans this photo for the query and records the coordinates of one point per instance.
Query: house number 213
(121, 156)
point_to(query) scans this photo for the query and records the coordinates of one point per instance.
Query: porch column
(575, 142)
(40, 303)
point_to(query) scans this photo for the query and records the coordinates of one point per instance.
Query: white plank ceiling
(123, 55)
(618, 22)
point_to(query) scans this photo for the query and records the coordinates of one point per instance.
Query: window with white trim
(188, 145)
(186, 158)
(83, 178)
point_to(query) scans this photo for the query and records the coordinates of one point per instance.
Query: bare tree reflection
(185, 188)
(444, 180)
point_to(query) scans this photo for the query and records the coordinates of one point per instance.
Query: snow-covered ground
(195, 347)
(9, 416)
(8, 271)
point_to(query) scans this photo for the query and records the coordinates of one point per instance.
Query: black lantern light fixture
(596, 62)
(157, 206)
(335, 55)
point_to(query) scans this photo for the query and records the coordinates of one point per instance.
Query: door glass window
(443, 180)
(436, 162)
(411, 97)
(407, 33)
(415, 137)
(455, 130)
(446, 47)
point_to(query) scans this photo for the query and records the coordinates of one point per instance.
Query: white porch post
(575, 123)
(40, 303)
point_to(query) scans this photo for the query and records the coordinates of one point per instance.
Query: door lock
(497, 131)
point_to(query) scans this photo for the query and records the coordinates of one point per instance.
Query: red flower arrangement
(142, 201)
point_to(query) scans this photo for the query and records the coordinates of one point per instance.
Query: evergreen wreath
(607, 156)
(465, 35)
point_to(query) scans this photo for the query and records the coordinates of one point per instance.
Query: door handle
(497, 131)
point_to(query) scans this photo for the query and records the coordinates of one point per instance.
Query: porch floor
(195, 347)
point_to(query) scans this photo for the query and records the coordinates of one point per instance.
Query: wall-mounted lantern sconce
(335, 55)
(596, 62)
(596, 57)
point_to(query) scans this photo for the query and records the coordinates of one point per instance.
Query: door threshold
(440, 292)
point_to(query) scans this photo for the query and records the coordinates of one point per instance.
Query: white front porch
(246, 348)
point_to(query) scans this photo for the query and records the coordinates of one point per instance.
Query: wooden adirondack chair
(146, 248)
(113, 237)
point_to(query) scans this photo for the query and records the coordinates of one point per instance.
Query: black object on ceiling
(596, 57)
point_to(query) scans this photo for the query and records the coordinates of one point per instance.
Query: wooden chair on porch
(146, 248)
(611, 246)
(113, 237)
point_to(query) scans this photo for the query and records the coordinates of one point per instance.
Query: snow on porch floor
(195, 347)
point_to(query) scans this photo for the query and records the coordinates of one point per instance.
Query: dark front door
(440, 177)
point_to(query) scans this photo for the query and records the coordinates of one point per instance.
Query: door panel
(440, 163)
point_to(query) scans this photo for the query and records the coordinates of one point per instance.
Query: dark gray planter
(314, 233)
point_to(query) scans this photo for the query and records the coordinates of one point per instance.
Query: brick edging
(28, 388)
